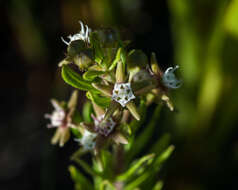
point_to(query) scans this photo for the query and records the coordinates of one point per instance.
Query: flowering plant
(120, 84)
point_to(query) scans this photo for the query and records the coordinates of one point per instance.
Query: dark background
(198, 36)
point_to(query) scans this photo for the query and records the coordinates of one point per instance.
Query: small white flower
(88, 140)
(104, 127)
(82, 35)
(169, 79)
(122, 93)
(57, 117)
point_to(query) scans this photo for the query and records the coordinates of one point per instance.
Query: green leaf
(162, 158)
(106, 185)
(152, 170)
(143, 138)
(117, 58)
(231, 18)
(160, 144)
(74, 79)
(92, 74)
(137, 181)
(86, 167)
(158, 185)
(77, 118)
(87, 111)
(81, 182)
(142, 162)
(156, 166)
(107, 159)
(101, 101)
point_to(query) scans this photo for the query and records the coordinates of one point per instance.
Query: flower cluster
(115, 80)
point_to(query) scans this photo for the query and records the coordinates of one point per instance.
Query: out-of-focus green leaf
(162, 158)
(77, 118)
(99, 100)
(87, 111)
(81, 182)
(138, 181)
(75, 80)
(143, 138)
(91, 75)
(160, 144)
(142, 162)
(106, 158)
(107, 185)
(231, 18)
(86, 167)
(158, 185)
(76, 132)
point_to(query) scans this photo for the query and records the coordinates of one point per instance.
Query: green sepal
(101, 101)
(74, 79)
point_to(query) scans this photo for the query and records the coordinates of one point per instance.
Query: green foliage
(98, 99)
(75, 80)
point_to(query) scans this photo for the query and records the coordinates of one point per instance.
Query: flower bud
(137, 59)
(108, 37)
(75, 47)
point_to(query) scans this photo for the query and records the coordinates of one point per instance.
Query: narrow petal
(73, 100)
(132, 108)
(120, 72)
(119, 138)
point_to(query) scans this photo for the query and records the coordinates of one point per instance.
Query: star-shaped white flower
(82, 35)
(103, 127)
(57, 117)
(88, 140)
(122, 93)
(169, 79)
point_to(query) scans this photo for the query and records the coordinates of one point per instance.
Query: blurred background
(201, 36)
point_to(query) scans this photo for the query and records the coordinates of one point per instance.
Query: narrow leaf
(101, 101)
(92, 74)
(75, 80)
(81, 182)
(132, 170)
